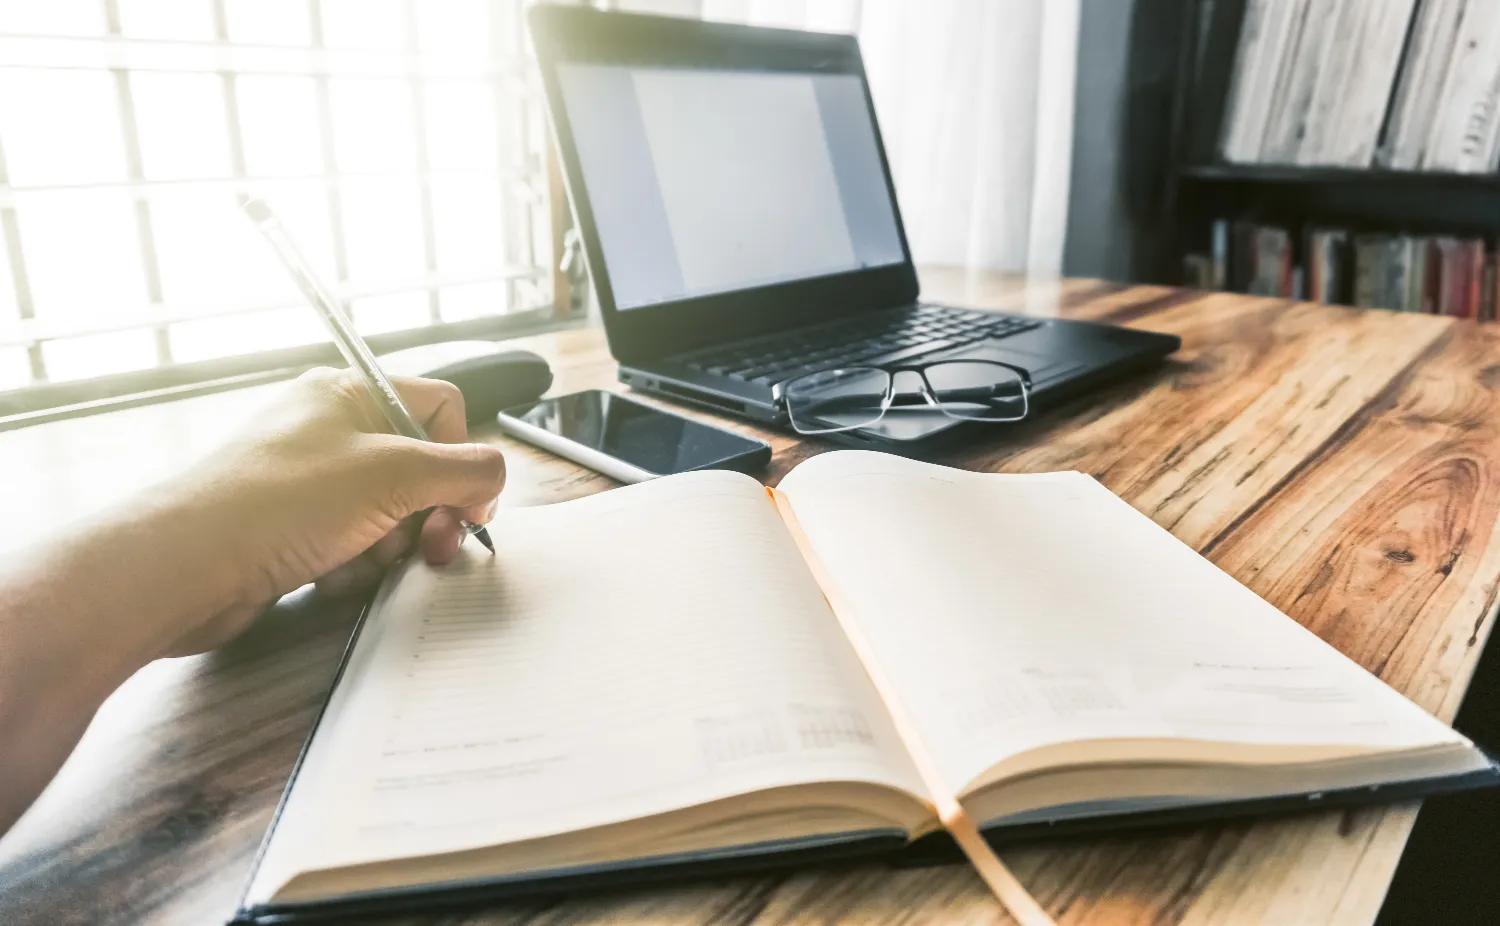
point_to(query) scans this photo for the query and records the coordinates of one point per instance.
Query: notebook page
(625, 654)
(1016, 611)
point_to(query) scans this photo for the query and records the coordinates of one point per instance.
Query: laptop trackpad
(1044, 368)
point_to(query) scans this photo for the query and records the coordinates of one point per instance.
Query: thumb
(450, 475)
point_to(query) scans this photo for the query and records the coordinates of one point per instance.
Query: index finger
(437, 405)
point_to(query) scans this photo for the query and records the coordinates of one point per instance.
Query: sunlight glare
(383, 231)
(15, 368)
(245, 334)
(393, 312)
(279, 122)
(462, 125)
(268, 22)
(62, 232)
(182, 129)
(372, 124)
(40, 147)
(466, 218)
(181, 20)
(52, 17)
(364, 24)
(473, 300)
(99, 355)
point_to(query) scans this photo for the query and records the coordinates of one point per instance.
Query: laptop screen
(709, 181)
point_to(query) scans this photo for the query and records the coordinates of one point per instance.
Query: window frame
(526, 155)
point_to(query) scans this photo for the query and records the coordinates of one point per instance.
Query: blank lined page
(1015, 611)
(649, 648)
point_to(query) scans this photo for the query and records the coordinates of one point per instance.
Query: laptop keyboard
(861, 342)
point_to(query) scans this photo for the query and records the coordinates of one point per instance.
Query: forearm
(79, 614)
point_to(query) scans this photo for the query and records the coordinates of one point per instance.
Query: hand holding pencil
(361, 359)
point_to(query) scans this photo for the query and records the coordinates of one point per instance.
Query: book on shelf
(1400, 84)
(1370, 253)
(1219, 255)
(1488, 281)
(1418, 94)
(1395, 287)
(1271, 262)
(1465, 134)
(1433, 274)
(1327, 257)
(1248, 105)
(1312, 80)
(1197, 271)
(694, 676)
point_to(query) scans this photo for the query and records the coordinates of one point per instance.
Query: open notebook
(652, 682)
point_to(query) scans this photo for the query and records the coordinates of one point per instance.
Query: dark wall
(1127, 53)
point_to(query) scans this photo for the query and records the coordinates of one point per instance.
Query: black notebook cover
(887, 846)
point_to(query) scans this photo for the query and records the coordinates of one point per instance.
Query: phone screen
(652, 440)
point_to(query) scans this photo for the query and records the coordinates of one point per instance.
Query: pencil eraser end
(257, 210)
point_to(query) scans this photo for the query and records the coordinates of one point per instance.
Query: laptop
(741, 228)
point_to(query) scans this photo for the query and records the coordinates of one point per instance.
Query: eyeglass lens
(977, 391)
(837, 400)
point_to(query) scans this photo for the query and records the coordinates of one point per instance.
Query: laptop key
(905, 353)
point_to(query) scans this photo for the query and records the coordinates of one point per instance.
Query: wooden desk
(1343, 464)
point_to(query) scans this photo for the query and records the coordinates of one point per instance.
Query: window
(401, 141)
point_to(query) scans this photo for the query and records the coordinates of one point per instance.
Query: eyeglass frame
(778, 391)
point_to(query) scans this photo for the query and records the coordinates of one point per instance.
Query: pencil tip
(484, 538)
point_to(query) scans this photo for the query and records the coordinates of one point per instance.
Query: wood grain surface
(1344, 464)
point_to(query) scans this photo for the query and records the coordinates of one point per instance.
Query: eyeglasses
(857, 397)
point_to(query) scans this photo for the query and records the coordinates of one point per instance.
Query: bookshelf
(1202, 187)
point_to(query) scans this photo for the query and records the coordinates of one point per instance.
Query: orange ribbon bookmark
(1012, 895)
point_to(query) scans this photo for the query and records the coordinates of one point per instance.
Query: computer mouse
(490, 376)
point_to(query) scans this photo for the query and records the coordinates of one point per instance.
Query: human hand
(315, 489)
(318, 490)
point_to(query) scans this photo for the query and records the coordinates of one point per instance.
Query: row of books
(1401, 84)
(1437, 274)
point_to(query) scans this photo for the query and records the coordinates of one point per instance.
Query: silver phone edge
(610, 466)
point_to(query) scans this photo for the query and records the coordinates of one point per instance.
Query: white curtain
(975, 101)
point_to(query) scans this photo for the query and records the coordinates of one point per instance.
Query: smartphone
(628, 440)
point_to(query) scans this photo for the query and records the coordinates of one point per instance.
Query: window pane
(8, 309)
(454, 27)
(383, 231)
(372, 123)
(473, 300)
(43, 148)
(15, 368)
(780, 13)
(182, 128)
(87, 263)
(279, 125)
(397, 311)
(269, 22)
(82, 253)
(833, 16)
(364, 24)
(462, 125)
(467, 219)
(52, 17)
(729, 11)
(245, 334)
(99, 354)
(303, 208)
(210, 257)
(167, 19)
